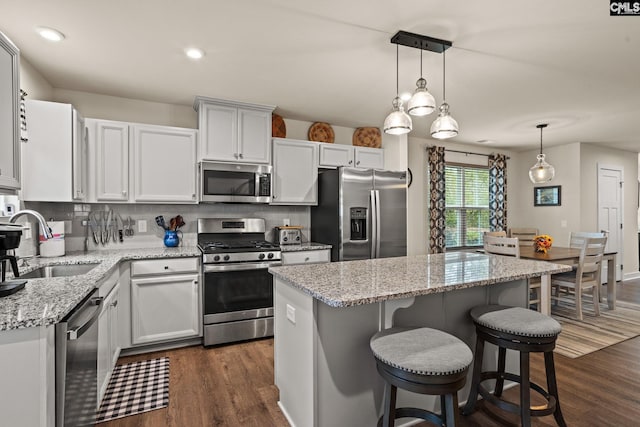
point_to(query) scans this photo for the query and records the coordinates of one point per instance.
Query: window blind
(466, 205)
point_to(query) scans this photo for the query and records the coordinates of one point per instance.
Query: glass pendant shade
(542, 171)
(398, 122)
(422, 102)
(444, 126)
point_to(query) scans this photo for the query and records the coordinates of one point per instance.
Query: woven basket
(321, 132)
(367, 137)
(278, 128)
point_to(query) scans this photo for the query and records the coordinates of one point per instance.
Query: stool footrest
(512, 407)
(422, 414)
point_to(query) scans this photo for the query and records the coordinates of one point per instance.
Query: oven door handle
(214, 268)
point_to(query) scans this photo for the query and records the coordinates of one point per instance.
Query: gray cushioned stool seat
(422, 351)
(516, 320)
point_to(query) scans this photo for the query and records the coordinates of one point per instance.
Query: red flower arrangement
(542, 243)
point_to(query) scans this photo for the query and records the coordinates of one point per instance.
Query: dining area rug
(580, 337)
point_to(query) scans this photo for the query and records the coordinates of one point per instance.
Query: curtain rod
(466, 152)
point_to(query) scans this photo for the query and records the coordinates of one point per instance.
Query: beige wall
(32, 82)
(556, 221)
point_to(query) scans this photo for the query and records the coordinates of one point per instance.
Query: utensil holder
(171, 238)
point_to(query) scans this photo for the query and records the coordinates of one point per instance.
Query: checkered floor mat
(135, 388)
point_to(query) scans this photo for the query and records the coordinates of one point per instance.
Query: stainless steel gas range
(238, 290)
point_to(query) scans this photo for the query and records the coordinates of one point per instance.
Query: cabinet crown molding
(199, 100)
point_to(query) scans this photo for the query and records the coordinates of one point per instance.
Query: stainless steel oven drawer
(220, 333)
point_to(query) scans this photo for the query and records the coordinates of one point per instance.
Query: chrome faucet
(44, 227)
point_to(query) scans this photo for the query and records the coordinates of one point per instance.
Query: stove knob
(216, 258)
(226, 257)
(297, 237)
(284, 239)
(270, 255)
(261, 256)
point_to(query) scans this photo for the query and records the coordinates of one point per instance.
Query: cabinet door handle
(124, 192)
(195, 282)
(166, 267)
(193, 196)
(306, 259)
(358, 162)
(240, 155)
(350, 162)
(274, 196)
(235, 155)
(114, 304)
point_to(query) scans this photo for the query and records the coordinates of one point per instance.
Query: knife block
(54, 246)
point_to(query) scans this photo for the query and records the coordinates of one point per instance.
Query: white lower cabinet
(306, 257)
(165, 304)
(108, 344)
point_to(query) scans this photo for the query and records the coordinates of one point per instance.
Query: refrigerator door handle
(374, 220)
(377, 241)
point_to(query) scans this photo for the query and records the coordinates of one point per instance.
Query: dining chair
(587, 274)
(500, 233)
(524, 235)
(510, 246)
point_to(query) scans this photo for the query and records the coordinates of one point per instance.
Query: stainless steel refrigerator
(362, 213)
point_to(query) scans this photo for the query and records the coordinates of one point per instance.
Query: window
(466, 205)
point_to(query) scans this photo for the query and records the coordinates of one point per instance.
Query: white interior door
(610, 210)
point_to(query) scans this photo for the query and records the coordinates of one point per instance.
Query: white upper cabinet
(57, 137)
(9, 114)
(295, 172)
(233, 132)
(335, 155)
(164, 164)
(141, 163)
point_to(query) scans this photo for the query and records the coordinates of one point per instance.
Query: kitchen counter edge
(46, 301)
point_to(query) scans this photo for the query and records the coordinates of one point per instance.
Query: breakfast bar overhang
(325, 315)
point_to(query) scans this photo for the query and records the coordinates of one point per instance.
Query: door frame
(620, 254)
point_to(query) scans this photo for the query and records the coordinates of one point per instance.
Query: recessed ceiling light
(50, 34)
(485, 141)
(194, 53)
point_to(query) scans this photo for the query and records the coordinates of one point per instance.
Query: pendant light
(444, 126)
(542, 171)
(397, 122)
(422, 102)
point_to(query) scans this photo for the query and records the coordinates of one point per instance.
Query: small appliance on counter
(9, 240)
(55, 246)
(288, 235)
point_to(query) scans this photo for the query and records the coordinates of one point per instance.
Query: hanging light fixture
(444, 126)
(397, 122)
(422, 102)
(542, 171)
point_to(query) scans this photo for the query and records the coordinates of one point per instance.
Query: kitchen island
(326, 313)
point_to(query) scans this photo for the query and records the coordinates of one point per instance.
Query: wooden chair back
(501, 233)
(524, 235)
(501, 245)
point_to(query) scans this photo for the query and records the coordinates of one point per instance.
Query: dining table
(565, 255)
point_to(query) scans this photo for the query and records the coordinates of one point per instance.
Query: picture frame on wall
(547, 196)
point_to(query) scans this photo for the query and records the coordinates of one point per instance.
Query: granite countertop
(308, 246)
(350, 283)
(47, 301)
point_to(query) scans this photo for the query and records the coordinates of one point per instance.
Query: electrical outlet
(67, 227)
(291, 313)
(27, 231)
(286, 222)
(142, 226)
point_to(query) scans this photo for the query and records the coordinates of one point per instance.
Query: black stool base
(446, 386)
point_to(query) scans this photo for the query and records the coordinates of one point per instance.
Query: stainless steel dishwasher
(77, 364)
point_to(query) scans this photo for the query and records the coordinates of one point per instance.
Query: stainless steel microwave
(235, 183)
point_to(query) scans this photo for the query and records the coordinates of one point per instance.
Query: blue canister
(171, 239)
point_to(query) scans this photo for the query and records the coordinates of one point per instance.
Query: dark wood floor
(233, 386)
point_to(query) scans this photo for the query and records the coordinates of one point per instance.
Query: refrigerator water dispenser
(358, 223)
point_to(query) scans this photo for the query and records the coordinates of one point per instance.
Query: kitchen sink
(59, 271)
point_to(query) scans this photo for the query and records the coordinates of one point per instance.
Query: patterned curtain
(23, 118)
(498, 192)
(436, 199)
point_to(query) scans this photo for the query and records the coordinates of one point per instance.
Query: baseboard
(149, 348)
(631, 276)
(286, 414)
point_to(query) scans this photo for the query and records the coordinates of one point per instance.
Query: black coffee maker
(9, 240)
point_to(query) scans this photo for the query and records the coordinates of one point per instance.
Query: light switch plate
(142, 226)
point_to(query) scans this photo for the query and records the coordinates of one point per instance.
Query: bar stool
(525, 331)
(425, 361)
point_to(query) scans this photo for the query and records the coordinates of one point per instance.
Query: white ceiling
(513, 64)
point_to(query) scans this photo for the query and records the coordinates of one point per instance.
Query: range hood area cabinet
(54, 158)
(133, 162)
(9, 114)
(233, 131)
(294, 177)
(336, 155)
